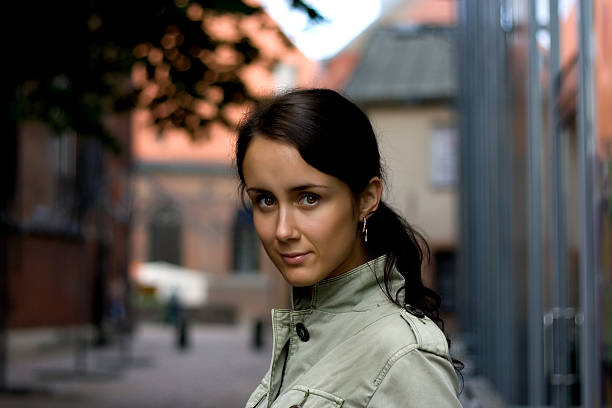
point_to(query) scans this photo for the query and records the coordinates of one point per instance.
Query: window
(54, 192)
(246, 243)
(165, 235)
(444, 156)
(445, 278)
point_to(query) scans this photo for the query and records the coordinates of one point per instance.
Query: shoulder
(417, 379)
(402, 330)
(418, 369)
(428, 336)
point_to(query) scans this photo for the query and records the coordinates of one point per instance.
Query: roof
(406, 65)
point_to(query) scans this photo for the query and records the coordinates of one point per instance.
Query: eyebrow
(297, 188)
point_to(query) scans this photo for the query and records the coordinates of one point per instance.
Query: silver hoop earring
(364, 230)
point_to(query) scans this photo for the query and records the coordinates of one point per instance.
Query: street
(219, 369)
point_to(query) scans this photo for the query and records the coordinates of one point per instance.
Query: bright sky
(318, 41)
(543, 17)
(348, 18)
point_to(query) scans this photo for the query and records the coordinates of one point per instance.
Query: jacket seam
(391, 313)
(258, 398)
(367, 308)
(368, 265)
(383, 374)
(413, 345)
(392, 360)
(275, 353)
(429, 346)
(320, 393)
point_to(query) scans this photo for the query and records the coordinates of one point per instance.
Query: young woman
(362, 331)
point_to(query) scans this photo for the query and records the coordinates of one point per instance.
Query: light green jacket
(345, 344)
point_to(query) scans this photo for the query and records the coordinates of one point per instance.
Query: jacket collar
(354, 290)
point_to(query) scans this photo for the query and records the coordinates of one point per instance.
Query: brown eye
(265, 201)
(309, 199)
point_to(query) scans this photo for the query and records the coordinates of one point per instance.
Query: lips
(294, 258)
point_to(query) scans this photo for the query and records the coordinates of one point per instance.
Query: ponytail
(389, 233)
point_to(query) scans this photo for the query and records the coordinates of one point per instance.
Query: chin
(299, 278)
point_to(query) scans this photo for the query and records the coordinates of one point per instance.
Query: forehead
(270, 164)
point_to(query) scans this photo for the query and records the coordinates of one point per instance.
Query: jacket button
(301, 331)
(415, 311)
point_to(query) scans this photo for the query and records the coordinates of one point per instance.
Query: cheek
(335, 227)
(264, 227)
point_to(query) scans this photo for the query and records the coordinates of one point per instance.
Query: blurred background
(131, 275)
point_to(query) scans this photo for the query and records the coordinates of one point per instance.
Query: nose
(286, 228)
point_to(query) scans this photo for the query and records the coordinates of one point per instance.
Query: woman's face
(307, 220)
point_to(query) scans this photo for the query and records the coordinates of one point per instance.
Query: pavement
(219, 369)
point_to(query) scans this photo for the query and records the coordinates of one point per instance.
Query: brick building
(186, 203)
(69, 227)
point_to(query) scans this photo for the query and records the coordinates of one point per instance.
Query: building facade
(188, 210)
(69, 228)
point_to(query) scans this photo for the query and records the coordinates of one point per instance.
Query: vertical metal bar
(485, 270)
(534, 216)
(588, 268)
(507, 366)
(486, 221)
(559, 235)
(464, 139)
(469, 166)
(479, 198)
(486, 155)
(475, 202)
(490, 136)
(496, 136)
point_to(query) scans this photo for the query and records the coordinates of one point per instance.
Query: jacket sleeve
(418, 379)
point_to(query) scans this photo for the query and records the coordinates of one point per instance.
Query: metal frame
(491, 275)
(589, 345)
(487, 264)
(534, 217)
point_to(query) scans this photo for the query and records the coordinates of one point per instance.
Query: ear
(370, 197)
